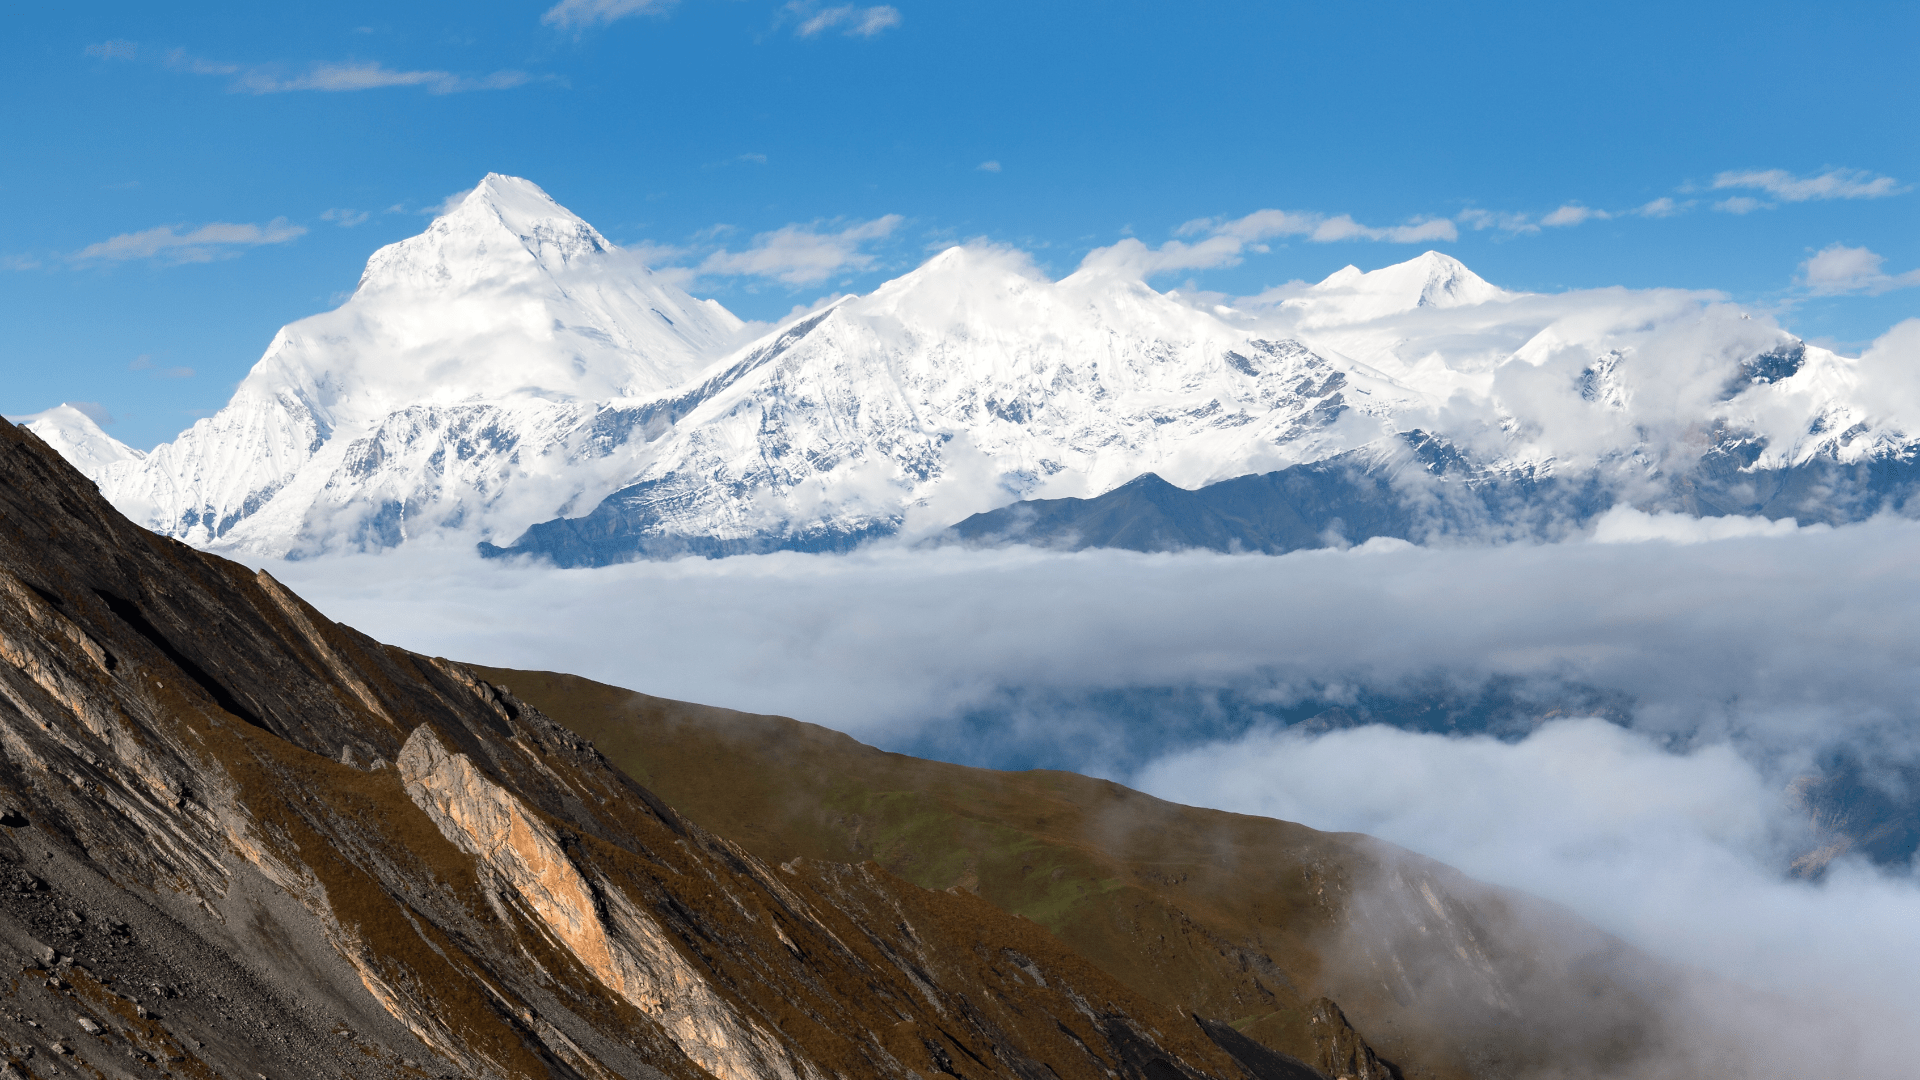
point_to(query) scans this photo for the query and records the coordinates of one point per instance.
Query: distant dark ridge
(627, 525)
(1430, 492)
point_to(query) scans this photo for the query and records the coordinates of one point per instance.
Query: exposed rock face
(210, 869)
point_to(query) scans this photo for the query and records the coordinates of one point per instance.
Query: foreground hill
(240, 840)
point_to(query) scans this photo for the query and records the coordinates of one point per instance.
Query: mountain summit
(1432, 280)
(453, 386)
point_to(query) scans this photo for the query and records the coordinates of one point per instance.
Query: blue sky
(185, 183)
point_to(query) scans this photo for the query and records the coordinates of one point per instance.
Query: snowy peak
(79, 439)
(464, 364)
(1437, 281)
(505, 224)
(1432, 280)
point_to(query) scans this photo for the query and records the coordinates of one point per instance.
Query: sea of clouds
(1728, 656)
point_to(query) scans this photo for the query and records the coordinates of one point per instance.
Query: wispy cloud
(1567, 215)
(337, 78)
(1832, 184)
(988, 166)
(1223, 242)
(1573, 214)
(802, 254)
(849, 19)
(1838, 269)
(445, 206)
(580, 14)
(214, 240)
(346, 219)
(144, 362)
(1504, 220)
(737, 159)
(117, 49)
(342, 77)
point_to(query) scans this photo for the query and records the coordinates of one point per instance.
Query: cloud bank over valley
(1615, 723)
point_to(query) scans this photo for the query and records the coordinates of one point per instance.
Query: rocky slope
(241, 840)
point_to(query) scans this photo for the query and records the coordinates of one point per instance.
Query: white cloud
(1574, 214)
(1840, 269)
(445, 206)
(1710, 640)
(1225, 240)
(1625, 525)
(1568, 214)
(144, 362)
(1832, 184)
(1132, 258)
(341, 77)
(344, 218)
(1481, 220)
(1418, 231)
(578, 14)
(988, 166)
(93, 411)
(802, 254)
(336, 78)
(211, 241)
(849, 19)
(1890, 367)
(116, 49)
(1741, 204)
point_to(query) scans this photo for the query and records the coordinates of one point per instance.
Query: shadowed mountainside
(238, 839)
(1425, 491)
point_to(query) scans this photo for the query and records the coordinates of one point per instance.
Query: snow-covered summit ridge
(509, 318)
(78, 439)
(1431, 280)
(507, 294)
(503, 221)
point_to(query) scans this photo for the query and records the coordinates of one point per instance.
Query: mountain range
(512, 376)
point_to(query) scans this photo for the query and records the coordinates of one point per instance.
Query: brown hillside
(1206, 912)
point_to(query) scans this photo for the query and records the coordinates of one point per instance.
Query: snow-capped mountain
(968, 383)
(79, 439)
(974, 382)
(511, 375)
(1350, 295)
(457, 386)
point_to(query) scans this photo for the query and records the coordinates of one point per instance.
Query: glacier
(512, 377)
